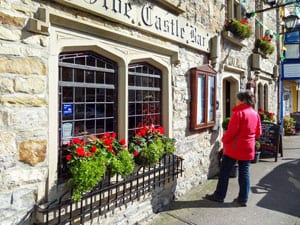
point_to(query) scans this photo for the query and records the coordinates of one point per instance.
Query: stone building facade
(182, 35)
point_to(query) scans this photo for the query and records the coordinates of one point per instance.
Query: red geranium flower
(80, 152)
(161, 130)
(88, 154)
(108, 141)
(68, 157)
(135, 152)
(110, 148)
(266, 38)
(76, 141)
(244, 21)
(113, 135)
(123, 141)
(93, 148)
(106, 135)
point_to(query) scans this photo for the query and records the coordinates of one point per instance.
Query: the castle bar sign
(147, 17)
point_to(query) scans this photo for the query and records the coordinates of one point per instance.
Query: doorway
(230, 89)
(287, 101)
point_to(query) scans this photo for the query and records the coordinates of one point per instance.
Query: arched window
(266, 97)
(260, 99)
(144, 91)
(87, 98)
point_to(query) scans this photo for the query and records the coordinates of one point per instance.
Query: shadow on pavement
(202, 203)
(281, 188)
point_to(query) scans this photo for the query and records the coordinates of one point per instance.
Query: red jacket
(243, 128)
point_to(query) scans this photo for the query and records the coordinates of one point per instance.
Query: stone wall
(23, 113)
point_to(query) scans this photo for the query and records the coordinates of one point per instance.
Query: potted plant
(257, 152)
(264, 45)
(257, 145)
(289, 125)
(239, 28)
(266, 116)
(89, 159)
(150, 144)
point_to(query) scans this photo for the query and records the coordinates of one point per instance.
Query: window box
(230, 37)
(264, 46)
(241, 29)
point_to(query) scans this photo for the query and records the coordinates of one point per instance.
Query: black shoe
(241, 203)
(212, 197)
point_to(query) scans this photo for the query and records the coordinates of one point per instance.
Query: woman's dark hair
(247, 97)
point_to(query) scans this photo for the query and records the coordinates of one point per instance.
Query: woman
(238, 145)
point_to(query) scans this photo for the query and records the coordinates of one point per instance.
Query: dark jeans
(244, 178)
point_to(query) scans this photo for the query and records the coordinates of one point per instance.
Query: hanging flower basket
(240, 28)
(264, 45)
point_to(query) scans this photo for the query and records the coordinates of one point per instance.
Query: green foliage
(257, 145)
(266, 116)
(169, 145)
(240, 29)
(265, 46)
(124, 164)
(89, 159)
(153, 152)
(289, 124)
(225, 123)
(86, 174)
(149, 145)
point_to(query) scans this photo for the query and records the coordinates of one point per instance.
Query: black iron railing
(111, 193)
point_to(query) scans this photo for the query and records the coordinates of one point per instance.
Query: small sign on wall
(67, 109)
(66, 132)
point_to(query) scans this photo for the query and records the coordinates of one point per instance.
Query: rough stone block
(22, 101)
(7, 143)
(6, 162)
(6, 85)
(32, 85)
(26, 8)
(12, 20)
(23, 66)
(23, 199)
(5, 199)
(9, 35)
(19, 176)
(32, 151)
(27, 119)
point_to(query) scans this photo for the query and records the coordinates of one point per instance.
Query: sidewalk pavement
(274, 196)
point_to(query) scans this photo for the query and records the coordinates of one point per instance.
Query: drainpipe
(280, 67)
(215, 55)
